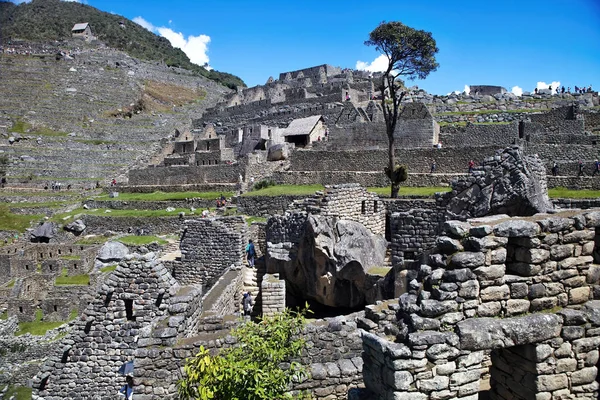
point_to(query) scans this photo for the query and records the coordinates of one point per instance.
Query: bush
(259, 367)
(265, 183)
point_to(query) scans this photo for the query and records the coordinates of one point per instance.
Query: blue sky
(503, 42)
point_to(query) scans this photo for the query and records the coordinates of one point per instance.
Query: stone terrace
(74, 97)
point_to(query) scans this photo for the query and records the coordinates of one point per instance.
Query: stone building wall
(221, 299)
(491, 285)
(202, 240)
(105, 336)
(332, 357)
(413, 232)
(348, 201)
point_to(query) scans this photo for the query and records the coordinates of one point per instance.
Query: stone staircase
(252, 281)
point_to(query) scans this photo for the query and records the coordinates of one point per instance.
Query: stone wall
(221, 299)
(106, 334)
(263, 206)
(209, 247)
(183, 175)
(98, 225)
(150, 205)
(496, 284)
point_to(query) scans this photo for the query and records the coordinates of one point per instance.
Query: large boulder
(278, 152)
(76, 227)
(112, 252)
(509, 183)
(332, 260)
(44, 232)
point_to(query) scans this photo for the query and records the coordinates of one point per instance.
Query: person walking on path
(247, 303)
(250, 253)
(580, 171)
(596, 167)
(433, 167)
(471, 165)
(555, 169)
(127, 390)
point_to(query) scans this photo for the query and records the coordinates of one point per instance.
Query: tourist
(569, 90)
(580, 171)
(127, 389)
(471, 165)
(555, 169)
(438, 145)
(596, 167)
(205, 213)
(247, 303)
(562, 90)
(433, 166)
(250, 253)
(535, 91)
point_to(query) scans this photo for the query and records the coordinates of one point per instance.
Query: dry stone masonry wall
(521, 288)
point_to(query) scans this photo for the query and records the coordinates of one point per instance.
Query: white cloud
(195, 47)
(517, 91)
(145, 24)
(467, 89)
(378, 65)
(544, 85)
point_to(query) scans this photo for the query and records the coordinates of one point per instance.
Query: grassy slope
(49, 20)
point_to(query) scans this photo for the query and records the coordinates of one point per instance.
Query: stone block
(436, 384)
(490, 273)
(495, 293)
(491, 333)
(517, 228)
(550, 383)
(462, 378)
(489, 309)
(517, 306)
(584, 376)
(559, 252)
(579, 295)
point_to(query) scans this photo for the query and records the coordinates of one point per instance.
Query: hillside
(90, 118)
(51, 20)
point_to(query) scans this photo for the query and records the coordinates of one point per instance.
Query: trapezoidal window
(129, 309)
(375, 206)
(363, 207)
(55, 308)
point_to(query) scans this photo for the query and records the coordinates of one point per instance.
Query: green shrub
(251, 370)
(263, 184)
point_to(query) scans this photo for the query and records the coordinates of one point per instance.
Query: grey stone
(468, 259)
(112, 251)
(44, 232)
(490, 333)
(517, 228)
(77, 227)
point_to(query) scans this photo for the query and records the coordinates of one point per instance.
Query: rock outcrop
(112, 252)
(332, 263)
(44, 232)
(509, 183)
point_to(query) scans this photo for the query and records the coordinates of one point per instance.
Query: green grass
(120, 213)
(4, 316)
(93, 240)
(18, 393)
(480, 112)
(15, 222)
(410, 191)
(165, 196)
(10, 284)
(290, 190)
(380, 271)
(133, 240)
(46, 204)
(64, 279)
(564, 193)
(109, 268)
(37, 327)
(95, 142)
(250, 220)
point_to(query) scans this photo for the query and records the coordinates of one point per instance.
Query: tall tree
(411, 54)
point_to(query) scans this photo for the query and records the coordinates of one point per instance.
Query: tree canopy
(411, 54)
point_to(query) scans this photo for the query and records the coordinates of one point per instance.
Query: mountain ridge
(52, 20)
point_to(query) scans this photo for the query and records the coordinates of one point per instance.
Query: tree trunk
(392, 164)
